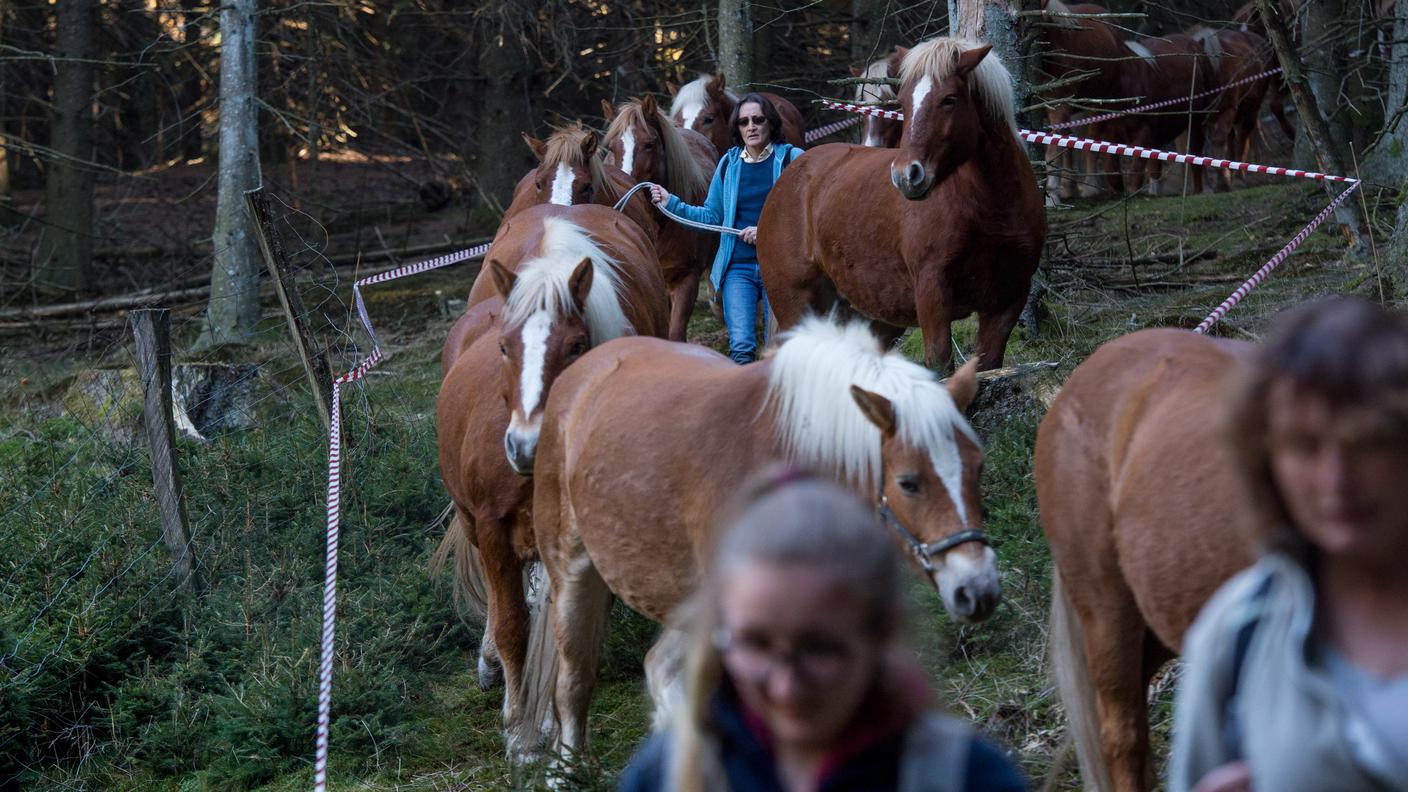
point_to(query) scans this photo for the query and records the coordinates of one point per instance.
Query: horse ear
(589, 144)
(672, 88)
(503, 279)
(580, 284)
(856, 72)
(717, 84)
(539, 147)
(607, 111)
(901, 51)
(970, 59)
(963, 385)
(648, 106)
(877, 408)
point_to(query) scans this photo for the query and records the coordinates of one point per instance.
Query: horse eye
(949, 101)
(649, 147)
(909, 485)
(503, 349)
(538, 185)
(708, 120)
(578, 348)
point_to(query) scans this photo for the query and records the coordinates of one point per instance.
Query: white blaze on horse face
(562, 185)
(872, 136)
(535, 352)
(948, 466)
(691, 112)
(921, 92)
(628, 150)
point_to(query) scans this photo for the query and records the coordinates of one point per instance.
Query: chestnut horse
(958, 229)
(635, 465)
(566, 278)
(1236, 112)
(1136, 498)
(705, 105)
(877, 132)
(647, 147)
(569, 172)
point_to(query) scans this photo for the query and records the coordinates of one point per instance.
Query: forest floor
(114, 683)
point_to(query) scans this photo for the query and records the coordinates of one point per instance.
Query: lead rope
(682, 221)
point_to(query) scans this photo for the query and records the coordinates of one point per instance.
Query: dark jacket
(925, 749)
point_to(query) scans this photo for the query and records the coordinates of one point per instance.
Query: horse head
(877, 132)
(568, 172)
(930, 493)
(634, 141)
(949, 87)
(704, 106)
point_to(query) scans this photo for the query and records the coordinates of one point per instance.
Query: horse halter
(926, 552)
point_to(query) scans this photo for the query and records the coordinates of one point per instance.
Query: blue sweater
(721, 204)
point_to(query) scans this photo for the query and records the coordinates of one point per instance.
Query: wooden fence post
(315, 361)
(151, 327)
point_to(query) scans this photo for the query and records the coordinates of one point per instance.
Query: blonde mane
(819, 424)
(876, 92)
(990, 82)
(543, 283)
(564, 147)
(686, 178)
(695, 93)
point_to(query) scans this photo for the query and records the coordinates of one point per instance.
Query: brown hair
(782, 516)
(1347, 350)
(769, 112)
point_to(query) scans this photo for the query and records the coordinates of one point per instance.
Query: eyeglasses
(816, 660)
(743, 121)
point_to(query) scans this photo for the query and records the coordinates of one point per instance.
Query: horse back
(643, 441)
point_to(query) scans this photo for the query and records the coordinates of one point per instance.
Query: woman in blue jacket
(741, 184)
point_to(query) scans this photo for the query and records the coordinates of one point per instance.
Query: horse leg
(508, 609)
(1195, 147)
(931, 303)
(581, 610)
(682, 298)
(664, 671)
(993, 331)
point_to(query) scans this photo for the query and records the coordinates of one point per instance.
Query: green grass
(110, 681)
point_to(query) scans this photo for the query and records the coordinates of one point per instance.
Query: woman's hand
(749, 235)
(1231, 777)
(659, 194)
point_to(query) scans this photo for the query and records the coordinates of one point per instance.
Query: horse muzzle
(521, 448)
(912, 181)
(969, 586)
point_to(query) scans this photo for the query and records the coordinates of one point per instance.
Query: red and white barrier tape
(1101, 146)
(320, 764)
(827, 130)
(1181, 100)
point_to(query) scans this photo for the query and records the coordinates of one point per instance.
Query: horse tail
(471, 590)
(528, 729)
(1066, 649)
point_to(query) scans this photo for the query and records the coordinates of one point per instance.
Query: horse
(1165, 67)
(633, 470)
(958, 229)
(878, 132)
(565, 278)
(1236, 112)
(706, 104)
(569, 172)
(647, 147)
(1135, 493)
(1086, 53)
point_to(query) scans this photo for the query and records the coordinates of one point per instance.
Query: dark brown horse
(634, 469)
(1136, 498)
(706, 104)
(1234, 114)
(949, 223)
(565, 279)
(643, 143)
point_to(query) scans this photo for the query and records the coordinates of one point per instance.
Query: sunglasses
(743, 121)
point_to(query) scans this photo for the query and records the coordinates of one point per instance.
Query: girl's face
(798, 647)
(753, 126)
(1344, 483)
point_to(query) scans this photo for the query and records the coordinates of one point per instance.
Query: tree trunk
(995, 22)
(66, 247)
(736, 42)
(506, 70)
(873, 32)
(7, 214)
(1390, 157)
(1318, 131)
(234, 279)
(1395, 259)
(1325, 57)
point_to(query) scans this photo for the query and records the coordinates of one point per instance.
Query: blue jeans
(741, 292)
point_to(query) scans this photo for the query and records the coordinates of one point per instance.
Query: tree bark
(506, 108)
(1395, 259)
(1325, 56)
(234, 279)
(66, 247)
(1316, 128)
(1390, 156)
(6, 210)
(736, 42)
(995, 22)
